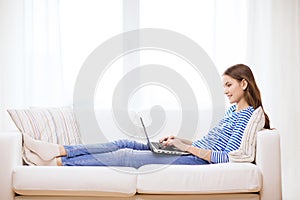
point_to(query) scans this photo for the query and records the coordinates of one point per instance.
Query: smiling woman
(240, 87)
(213, 148)
(233, 86)
(244, 83)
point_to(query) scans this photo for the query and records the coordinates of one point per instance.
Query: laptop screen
(145, 130)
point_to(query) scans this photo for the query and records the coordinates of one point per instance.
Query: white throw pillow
(246, 152)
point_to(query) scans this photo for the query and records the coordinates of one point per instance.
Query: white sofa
(216, 181)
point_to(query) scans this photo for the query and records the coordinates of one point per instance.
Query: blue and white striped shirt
(227, 135)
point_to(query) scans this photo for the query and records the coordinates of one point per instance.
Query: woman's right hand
(172, 137)
(174, 141)
(165, 139)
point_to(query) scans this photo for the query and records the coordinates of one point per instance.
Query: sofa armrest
(268, 159)
(10, 156)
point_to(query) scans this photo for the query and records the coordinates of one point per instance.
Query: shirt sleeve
(234, 140)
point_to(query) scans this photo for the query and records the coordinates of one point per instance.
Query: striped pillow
(55, 125)
(246, 152)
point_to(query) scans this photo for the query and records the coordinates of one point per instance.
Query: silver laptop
(158, 147)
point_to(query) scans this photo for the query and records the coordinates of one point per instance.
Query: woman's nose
(225, 91)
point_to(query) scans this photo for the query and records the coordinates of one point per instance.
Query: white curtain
(273, 49)
(10, 55)
(30, 64)
(43, 78)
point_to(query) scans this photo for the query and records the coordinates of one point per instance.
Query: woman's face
(233, 88)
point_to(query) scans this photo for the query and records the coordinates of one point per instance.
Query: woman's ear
(244, 84)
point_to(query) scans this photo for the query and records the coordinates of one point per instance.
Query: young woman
(240, 88)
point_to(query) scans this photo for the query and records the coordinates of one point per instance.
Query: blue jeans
(122, 153)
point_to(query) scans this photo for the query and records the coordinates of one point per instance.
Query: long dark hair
(252, 93)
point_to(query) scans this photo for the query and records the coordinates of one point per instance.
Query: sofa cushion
(74, 181)
(204, 179)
